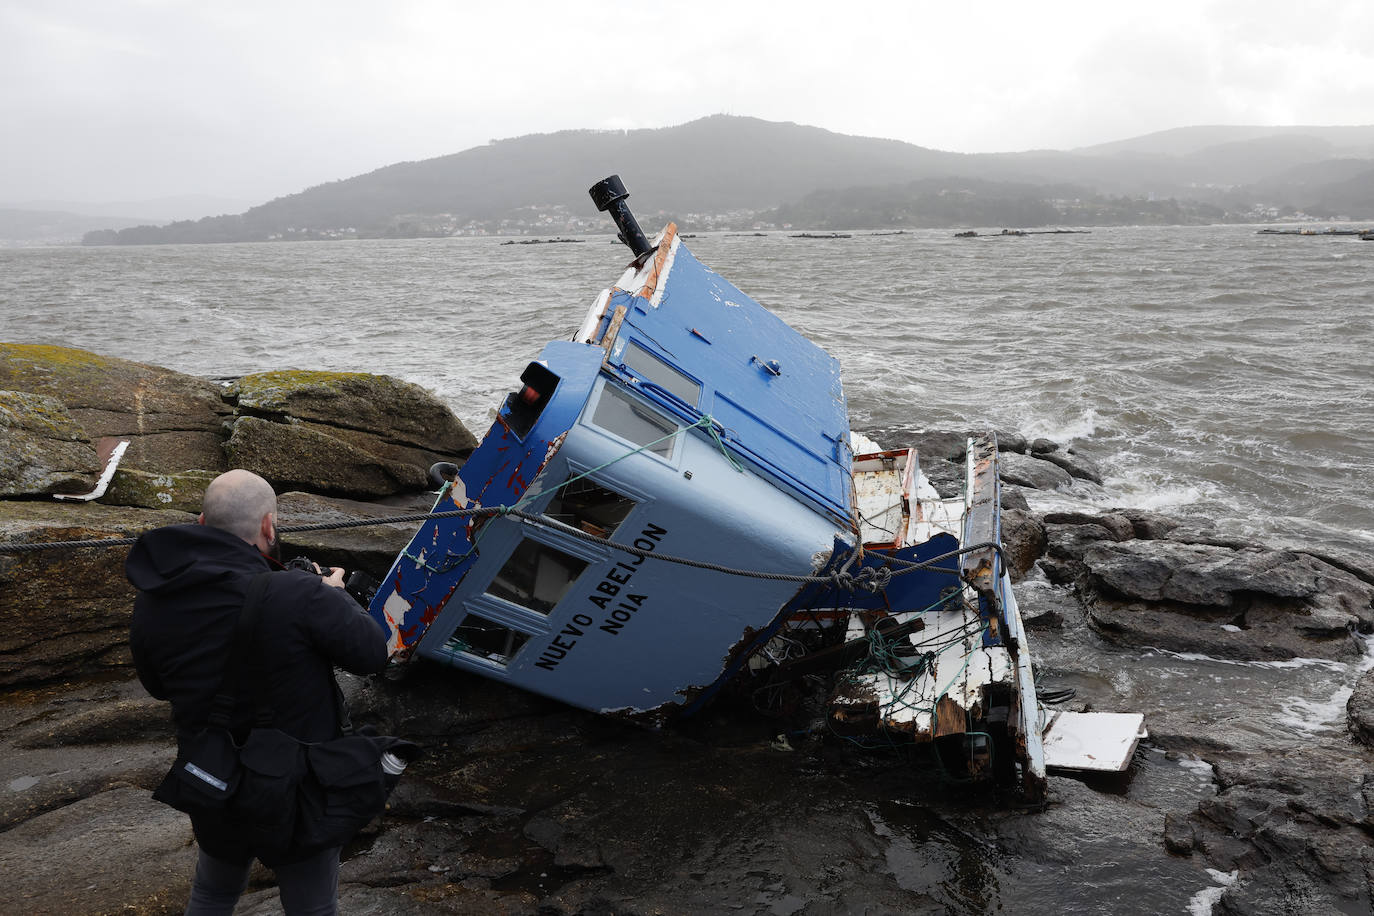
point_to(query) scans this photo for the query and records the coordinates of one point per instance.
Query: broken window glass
(487, 639)
(589, 507)
(536, 576)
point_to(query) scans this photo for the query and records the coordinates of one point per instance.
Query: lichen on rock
(45, 451)
(396, 411)
(183, 491)
(172, 420)
(297, 458)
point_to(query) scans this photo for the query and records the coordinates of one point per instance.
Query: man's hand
(334, 576)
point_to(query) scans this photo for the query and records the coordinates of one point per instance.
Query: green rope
(883, 658)
(902, 700)
(720, 444)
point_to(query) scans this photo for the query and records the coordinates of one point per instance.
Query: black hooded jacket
(191, 582)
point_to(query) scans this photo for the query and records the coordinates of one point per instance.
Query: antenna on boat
(610, 194)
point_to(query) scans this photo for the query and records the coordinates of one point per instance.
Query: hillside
(1184, 141)
(52, 227)
(61, 222)
(726, 171)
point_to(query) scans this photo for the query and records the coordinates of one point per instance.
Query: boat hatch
(1101, 742)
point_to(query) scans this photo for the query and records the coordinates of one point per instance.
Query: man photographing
(192, 581)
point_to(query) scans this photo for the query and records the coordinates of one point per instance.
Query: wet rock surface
(344, 433)
(1023, 538)
(127, 852)
(1296, 824)
(66, 612)
(1191, 591)
(183, 491)
(525, 806)
(370, 548)
(1360, 710)
(385, 413)
(1036, 473)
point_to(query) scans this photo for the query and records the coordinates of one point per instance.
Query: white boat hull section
(894, 494)
(1101, 742)
(101, 485)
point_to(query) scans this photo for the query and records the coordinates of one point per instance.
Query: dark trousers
(307, 888)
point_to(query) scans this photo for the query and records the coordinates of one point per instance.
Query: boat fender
(442, 472)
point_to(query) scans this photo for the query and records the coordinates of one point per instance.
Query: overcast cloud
(124, 100)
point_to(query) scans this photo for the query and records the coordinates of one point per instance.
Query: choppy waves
(1208, 370)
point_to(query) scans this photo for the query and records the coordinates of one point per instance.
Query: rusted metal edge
(656, 273)
(612, 330)
(979, 568)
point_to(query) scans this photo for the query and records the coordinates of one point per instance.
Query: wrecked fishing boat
(670, 506)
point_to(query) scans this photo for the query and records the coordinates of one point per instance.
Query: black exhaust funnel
(610, 194)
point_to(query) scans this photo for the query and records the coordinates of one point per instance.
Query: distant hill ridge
(1357, 142)
(701, 171)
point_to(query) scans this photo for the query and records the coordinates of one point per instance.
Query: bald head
(237, 501)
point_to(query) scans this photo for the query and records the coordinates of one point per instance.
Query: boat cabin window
(536, 576)
(649, 367)
(486, 639)
(619, 413)
(589, 507)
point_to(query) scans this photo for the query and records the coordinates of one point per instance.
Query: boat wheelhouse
(670, 501)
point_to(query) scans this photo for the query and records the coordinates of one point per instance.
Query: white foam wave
(1160, 498)
(1198, 766)
(1060, 429)
(1045, 501)
(1202, 902)
(1326, 663)
(1315, 717)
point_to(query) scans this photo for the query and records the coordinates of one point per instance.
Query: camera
(359, 584)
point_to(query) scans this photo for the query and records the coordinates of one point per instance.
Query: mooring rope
(868, 578)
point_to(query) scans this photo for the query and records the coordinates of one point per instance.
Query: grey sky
(127, 100)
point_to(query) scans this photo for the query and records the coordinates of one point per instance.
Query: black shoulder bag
(278, 793)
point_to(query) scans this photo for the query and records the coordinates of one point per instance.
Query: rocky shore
(523, 806)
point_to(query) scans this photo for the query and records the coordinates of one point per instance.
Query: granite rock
(45, 450)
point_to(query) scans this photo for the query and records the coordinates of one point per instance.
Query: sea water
(1210, 371)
